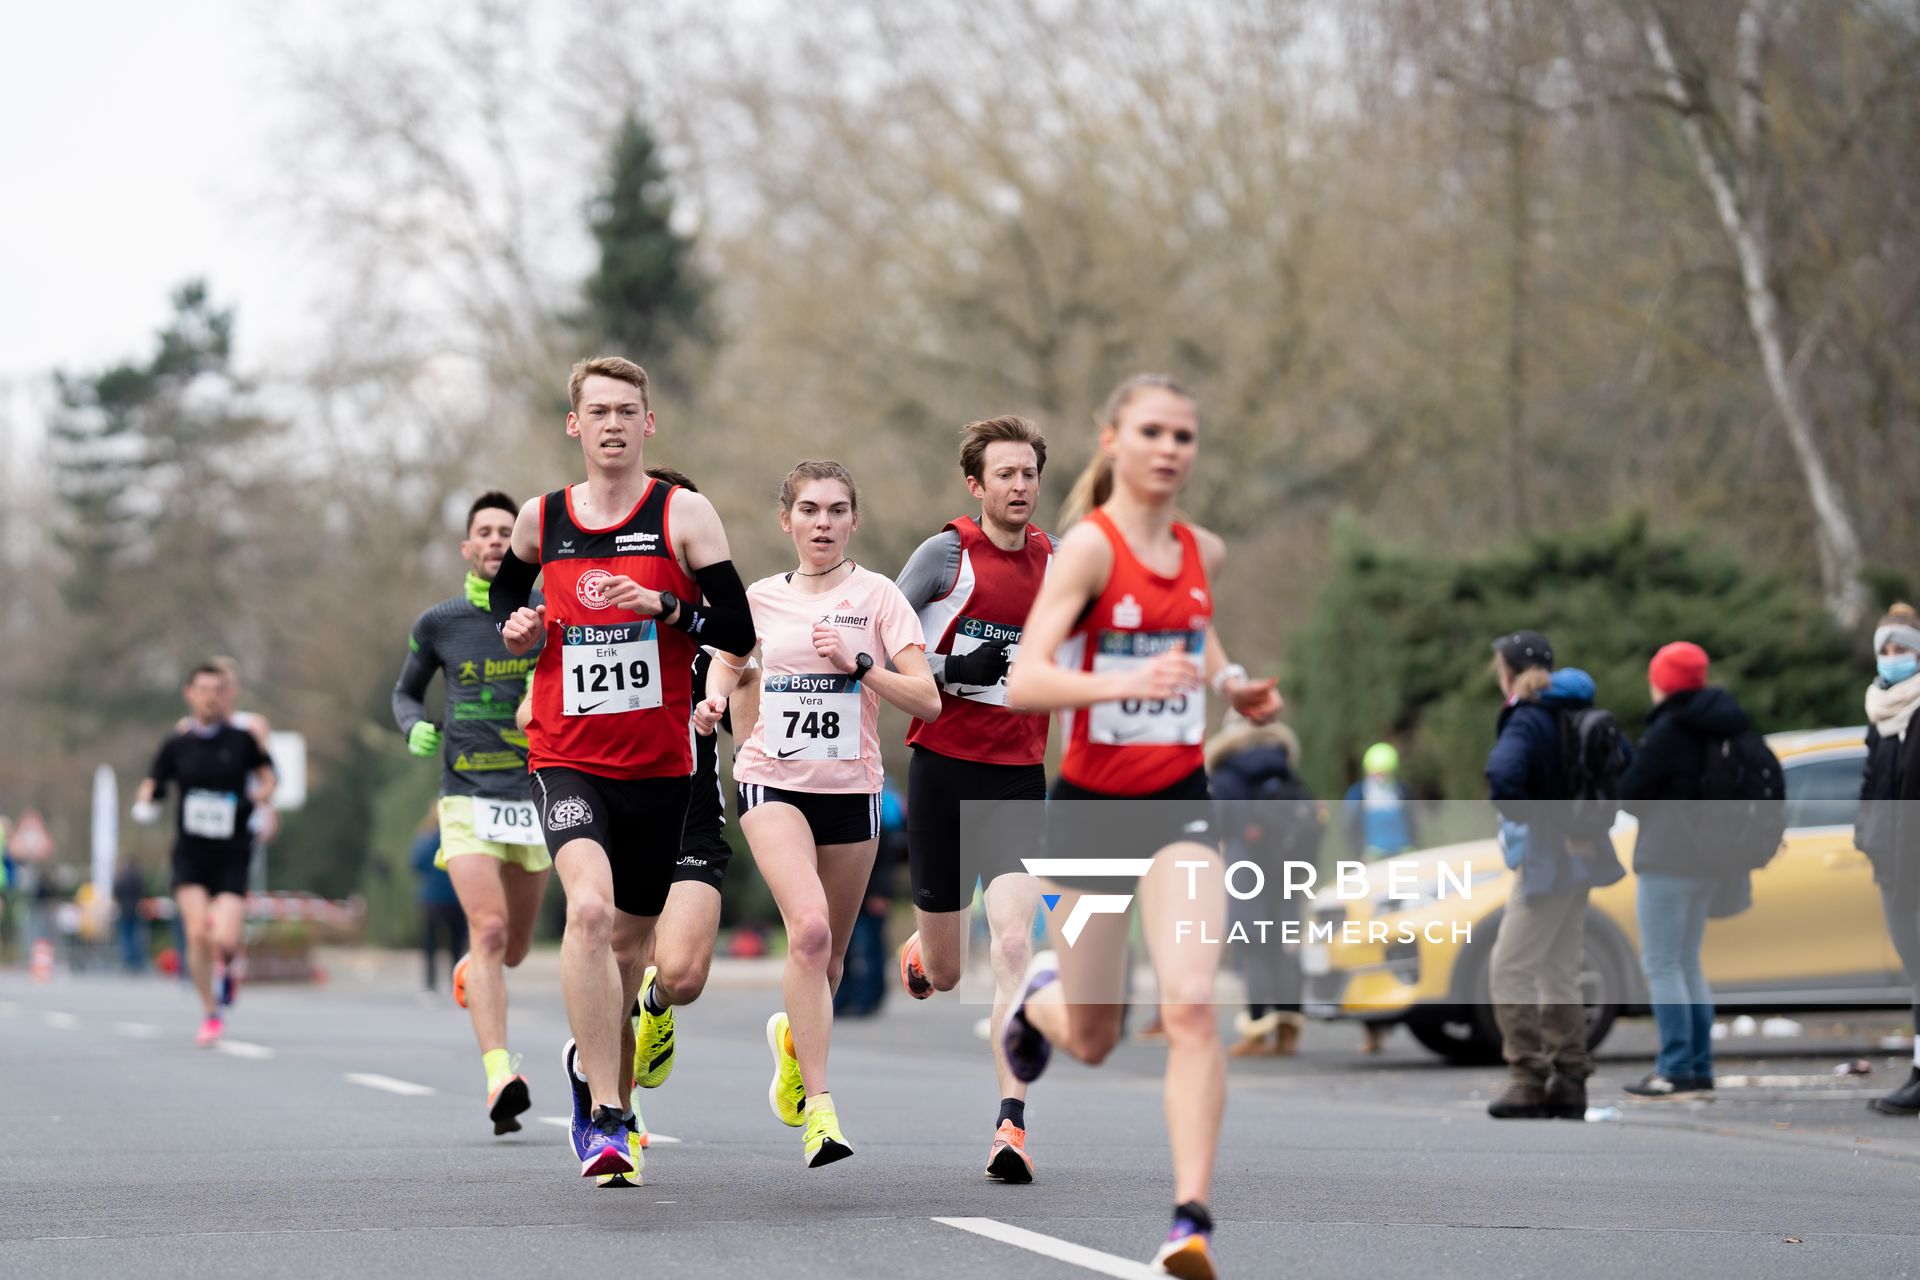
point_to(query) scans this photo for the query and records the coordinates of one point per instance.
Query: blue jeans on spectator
(1673, 923)
(131, 931)
(863, 982)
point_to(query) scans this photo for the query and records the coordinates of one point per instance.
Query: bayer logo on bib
(1177, 721)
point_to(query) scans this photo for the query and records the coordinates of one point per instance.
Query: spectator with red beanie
(1676, 882)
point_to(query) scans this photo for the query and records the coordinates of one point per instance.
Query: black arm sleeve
(512, 588)
(724, 621)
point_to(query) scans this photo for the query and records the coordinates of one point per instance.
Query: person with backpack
(1269, 818)
(1679, 867)
(1888, 831)
(1553, 775)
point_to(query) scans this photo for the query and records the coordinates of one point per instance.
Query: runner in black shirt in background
(212, 764)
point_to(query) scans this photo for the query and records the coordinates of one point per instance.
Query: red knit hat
(1678, 667)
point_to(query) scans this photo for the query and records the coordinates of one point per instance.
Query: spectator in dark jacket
(1888, 831)
(440, 913)
(1534, 971)
(1676, 880)
(1269, 818)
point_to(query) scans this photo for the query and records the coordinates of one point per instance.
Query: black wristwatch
(668, 603)
(861, 665)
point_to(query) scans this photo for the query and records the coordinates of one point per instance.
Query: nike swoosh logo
(583, 711)
(782, 755)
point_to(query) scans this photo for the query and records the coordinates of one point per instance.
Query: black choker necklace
(824, 572)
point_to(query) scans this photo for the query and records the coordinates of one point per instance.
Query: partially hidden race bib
(1176, 721)
(210, 815)
(609, 669)
(506, 821)
(811, 717)
(969, 634)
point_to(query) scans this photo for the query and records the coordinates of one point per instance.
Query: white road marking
(241, 1049)
(561, 1122)
(387, 1084)
(63, 1022)
(136, 1030)
(1077, 1255)
(1779, 1082)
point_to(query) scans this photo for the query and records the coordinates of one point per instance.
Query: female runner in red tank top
(1122, 638)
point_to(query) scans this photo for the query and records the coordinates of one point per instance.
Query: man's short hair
(491, 500)
(618, 367)
(976, 436)
(208, 668)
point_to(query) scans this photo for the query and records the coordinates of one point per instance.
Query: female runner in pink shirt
(809, 774)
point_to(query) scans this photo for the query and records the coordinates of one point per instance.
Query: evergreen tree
(646, 294)
(148, 473)
(1397, 645)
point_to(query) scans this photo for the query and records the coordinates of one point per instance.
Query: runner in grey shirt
(490, 840)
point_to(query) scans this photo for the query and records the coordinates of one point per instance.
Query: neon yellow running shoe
(825, 1143)
(652, 1041)
(787, 1095)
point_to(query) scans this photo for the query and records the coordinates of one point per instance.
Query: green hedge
(1397, 645)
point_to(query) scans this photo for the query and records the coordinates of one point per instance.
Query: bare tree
(1737, 163)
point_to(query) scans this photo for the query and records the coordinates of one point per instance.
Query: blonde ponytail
(1094, 487)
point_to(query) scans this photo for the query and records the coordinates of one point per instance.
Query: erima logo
(566, 547)
(1089, 905)
(570, 812)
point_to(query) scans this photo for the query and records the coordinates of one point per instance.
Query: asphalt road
(342, 1133)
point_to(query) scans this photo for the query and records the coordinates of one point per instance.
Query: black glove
(984, 666)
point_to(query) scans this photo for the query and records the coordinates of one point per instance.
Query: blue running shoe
(605, 1151)
(1027, 1050)
(582, 1104)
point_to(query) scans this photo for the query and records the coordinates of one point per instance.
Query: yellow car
(1813, 939)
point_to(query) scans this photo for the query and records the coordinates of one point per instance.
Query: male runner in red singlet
(973, 584)
(637, 574)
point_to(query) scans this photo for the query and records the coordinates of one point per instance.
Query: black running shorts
(936, 785)
(1126, 826)
(704, 851)
(216, 866)
(834, 817)
(638, 821)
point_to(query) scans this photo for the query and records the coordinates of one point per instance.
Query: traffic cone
(41, 967)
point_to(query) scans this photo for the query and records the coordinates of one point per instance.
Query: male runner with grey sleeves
(490, 840)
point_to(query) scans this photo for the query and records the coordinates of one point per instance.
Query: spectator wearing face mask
(1888, 831)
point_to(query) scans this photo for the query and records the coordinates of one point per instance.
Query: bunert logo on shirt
(590, 588)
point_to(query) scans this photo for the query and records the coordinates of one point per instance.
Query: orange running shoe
(1008, 1161)
(912, 976)
(460, 980)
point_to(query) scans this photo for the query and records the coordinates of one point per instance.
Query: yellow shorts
(458, 837)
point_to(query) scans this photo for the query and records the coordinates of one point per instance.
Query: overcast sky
(131, 149)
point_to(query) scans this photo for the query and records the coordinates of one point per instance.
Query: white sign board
(289, 752)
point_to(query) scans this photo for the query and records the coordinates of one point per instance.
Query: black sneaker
(1904, 1101)
(1655, 1087)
